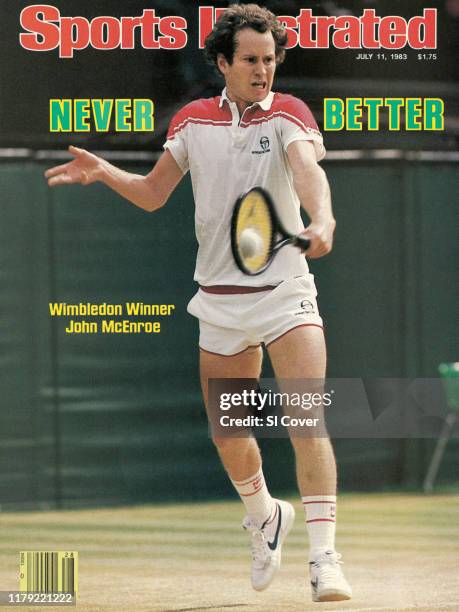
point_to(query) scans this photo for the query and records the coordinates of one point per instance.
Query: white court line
(389, 609)
(364, 609)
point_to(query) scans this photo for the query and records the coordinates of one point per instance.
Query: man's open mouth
(259, 84)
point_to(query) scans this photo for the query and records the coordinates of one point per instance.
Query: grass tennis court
(401, 553)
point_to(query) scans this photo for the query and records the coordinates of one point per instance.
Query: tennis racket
(255, 232)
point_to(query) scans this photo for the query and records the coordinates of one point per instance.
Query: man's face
(250, 77)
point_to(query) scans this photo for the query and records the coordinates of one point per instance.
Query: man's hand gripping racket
(257, 233)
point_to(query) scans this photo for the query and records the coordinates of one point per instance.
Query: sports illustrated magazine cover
(229, 340)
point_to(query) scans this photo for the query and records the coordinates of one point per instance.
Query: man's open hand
(83, 169)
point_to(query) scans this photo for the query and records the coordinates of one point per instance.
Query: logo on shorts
(264, 146)
(307, 307)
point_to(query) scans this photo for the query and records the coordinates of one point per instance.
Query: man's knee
(229, 445)
(306, 445)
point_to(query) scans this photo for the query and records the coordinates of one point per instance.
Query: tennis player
(245, 137)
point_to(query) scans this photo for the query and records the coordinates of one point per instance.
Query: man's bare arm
(313, 190)
(148, 192)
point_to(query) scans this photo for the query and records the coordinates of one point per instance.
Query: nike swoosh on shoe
(273, 545)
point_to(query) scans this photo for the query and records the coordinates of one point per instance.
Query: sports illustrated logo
(307, 307)
(264, 144)
(45, 29)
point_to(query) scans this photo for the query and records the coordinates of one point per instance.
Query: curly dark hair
(236, 17)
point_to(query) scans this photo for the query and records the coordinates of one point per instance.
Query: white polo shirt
(227, 155)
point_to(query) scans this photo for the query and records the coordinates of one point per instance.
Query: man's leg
(301, 354)
(268, 520)
(240, 456)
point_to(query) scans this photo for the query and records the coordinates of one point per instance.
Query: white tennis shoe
(267, 543)
(327, 580)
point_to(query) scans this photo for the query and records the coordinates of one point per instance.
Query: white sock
(255, 496)
(320, 511)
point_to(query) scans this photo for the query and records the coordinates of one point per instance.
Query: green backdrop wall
(88, 419)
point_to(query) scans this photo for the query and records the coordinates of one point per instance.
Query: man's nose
(260, 68)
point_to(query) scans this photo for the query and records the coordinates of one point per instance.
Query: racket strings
(254, 232)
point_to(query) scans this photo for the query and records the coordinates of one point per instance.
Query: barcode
(48, 572)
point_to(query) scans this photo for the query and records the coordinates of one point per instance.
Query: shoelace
(327, 566)
(259, 552)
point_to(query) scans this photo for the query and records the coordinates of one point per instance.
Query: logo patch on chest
(263, 146)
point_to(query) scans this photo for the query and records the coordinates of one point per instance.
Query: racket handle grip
(302, 243)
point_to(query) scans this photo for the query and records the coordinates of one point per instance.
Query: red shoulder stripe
(204, 112)
(308, 129)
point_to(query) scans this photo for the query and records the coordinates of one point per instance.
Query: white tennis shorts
(230, 323)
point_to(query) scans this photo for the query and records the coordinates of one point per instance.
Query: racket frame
(277, 228)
